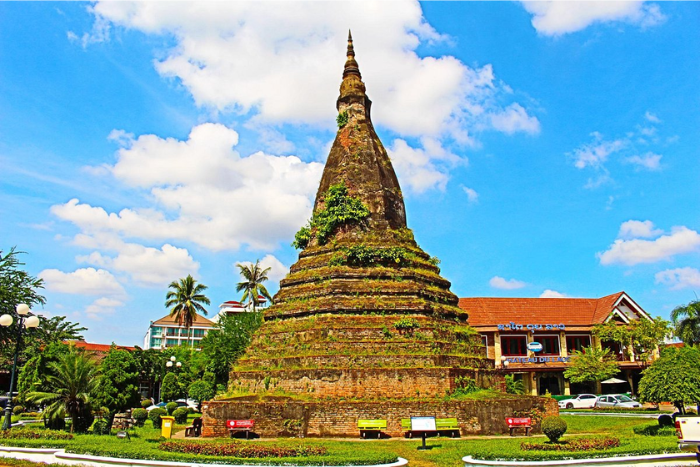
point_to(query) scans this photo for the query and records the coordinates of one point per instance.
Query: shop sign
(538, 359)
(531, 327)
(534, 347)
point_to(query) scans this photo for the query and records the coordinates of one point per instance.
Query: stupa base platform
(338, 419)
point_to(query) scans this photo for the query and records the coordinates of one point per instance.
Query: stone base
(339, 419)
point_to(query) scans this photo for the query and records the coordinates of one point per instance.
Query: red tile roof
(199, 320)
(97, 347)
(488, 311)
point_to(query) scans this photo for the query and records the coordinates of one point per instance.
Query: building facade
(534, 338)
(167, 332)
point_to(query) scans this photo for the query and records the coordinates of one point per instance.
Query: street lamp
(24, 322)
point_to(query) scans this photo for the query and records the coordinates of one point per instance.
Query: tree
(32, 377)
(185, 301)
(201, 391)
(252, 285)
(592, 364)
(118, 387)
(223, 345)
(71, 385)
(686, 322)
(16, 286)
(674, 377)
(641, 337)
(170, 390)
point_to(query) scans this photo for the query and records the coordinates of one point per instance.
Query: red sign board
(518, 421)
(240, 423)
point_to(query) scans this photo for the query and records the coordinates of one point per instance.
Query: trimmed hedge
(554, 428)
(171, 407)
(140, 416)
(154, 416)
(578, 444)
(243, 450)
(180, 415)
(34, 434)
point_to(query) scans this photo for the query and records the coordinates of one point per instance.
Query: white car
(582, 401)
(188, 404)
(617, 400)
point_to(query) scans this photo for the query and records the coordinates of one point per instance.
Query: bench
(235, 426)
(375, 426)
(195, 429)
(443, 425)
(514, 423)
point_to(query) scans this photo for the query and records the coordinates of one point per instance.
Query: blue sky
(544, 149)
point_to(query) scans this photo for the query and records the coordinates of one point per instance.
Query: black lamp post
(25, 321)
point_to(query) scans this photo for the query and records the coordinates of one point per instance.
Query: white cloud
(679, 278)
(595, 154)
(421, 169)
(652, 117)
(498, 282)
(638, 229)
(101, 307)
(283, 64)
(513, 119)
(472, 195)
(205, 193)
(555, 18)
(648, 161)
(87, 281)
(630, 252)
(552, 294)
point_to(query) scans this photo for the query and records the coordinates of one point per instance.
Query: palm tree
(686, 320)
(72, 383)
(253, 286)
(185, 301)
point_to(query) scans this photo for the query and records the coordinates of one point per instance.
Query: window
(171, 342)
(577, 343)
(513, 345)
(550, 345)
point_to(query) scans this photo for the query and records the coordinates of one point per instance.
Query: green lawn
(445, 452)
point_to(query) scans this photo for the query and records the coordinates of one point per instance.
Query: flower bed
(576, 444)
(243, 450)
(31, 434)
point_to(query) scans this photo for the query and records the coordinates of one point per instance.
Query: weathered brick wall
(339, 419)
(371, 383)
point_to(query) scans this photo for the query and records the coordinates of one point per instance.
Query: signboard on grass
(423, 424)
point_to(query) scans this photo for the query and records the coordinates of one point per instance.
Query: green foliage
(170, 389)
(342, 119)
(593, 364)
(656, 429)
(17, 409)
(223, 345)
(118, 389)
(180, 415)
(242, 450)
(100, 427)
(185, 300)
(407, 324)
(674, 377)
(577, 444)
(201, 390)
(366, 256)
(252, 285)
(140, 416)
(514, 386)
(171, 407)
(686, 322)
(33, 434)
(554, 428)
(641, 336)
(339, 209)
(70, 385)
(464, 386)
(145, 403)
(154, 416)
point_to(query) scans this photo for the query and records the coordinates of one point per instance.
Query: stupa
(363, 326)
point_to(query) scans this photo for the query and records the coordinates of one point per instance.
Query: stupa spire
(351, 66)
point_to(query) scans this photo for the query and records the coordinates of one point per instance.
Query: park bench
(374, 426)
(235, 426)
(443, 426)
(194, 430)
(514, 423)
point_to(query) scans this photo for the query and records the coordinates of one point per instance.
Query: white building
(166, 332)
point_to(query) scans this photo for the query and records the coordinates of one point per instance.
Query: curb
(58, 455)
(661, 459)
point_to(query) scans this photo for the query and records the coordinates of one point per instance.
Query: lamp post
(24, 322)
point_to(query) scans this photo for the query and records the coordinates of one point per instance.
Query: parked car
(582, 401)
(617, 400)
(186, 403)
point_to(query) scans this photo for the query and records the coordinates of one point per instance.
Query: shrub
(665, 420)
(578, 444)
(100, 427)
(406, 324)
(32, 434)
(243, 450)
(17, 409)
(154, 416)
(171, 407)
(342, 119)
(145, 403)
(180, 415)
(554, 428)
(140, 416)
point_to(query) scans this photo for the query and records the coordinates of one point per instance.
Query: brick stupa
(363, 326)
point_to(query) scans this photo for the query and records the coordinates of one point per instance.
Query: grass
(445, 452)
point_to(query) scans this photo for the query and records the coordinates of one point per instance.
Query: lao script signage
(538, 359)
(531, 327)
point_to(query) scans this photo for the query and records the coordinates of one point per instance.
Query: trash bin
(166, 429)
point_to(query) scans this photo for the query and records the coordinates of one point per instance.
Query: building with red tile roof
(167, 332)
(533, 338)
